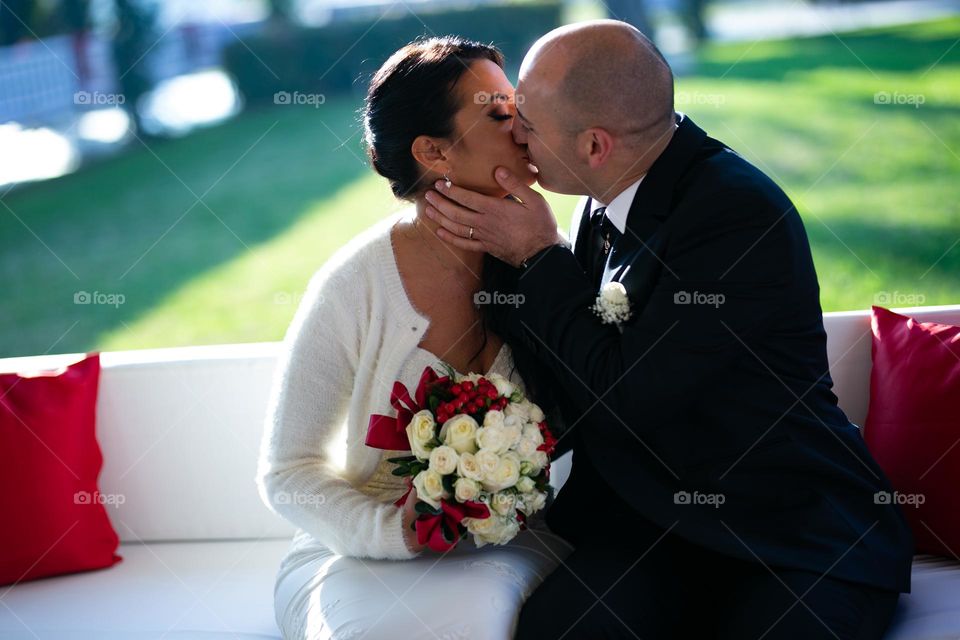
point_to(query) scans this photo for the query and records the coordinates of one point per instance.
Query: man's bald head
(603, 73)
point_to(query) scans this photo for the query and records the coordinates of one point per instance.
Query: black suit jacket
(712, 410)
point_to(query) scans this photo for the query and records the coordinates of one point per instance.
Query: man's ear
(430, 153)
(595, 145)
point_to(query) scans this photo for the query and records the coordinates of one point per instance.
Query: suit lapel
(634, 257)
(582, 240)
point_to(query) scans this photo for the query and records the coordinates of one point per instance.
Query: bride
(392, 301)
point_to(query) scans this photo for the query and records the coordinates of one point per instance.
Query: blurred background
(173, 172)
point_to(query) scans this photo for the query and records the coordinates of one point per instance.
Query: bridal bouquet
(480, 458)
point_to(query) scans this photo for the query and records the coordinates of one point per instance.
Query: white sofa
(180, 429)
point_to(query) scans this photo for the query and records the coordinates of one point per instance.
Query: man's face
(550, 143)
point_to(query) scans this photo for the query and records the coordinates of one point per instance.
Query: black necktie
(604, 234)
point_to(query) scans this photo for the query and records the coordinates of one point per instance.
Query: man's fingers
(455, 228)
(453, 211)
(458, 241)
(508, 181)
(469, 199)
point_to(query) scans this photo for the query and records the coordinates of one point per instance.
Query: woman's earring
(447, 180)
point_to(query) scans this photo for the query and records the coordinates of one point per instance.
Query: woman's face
(482, 138)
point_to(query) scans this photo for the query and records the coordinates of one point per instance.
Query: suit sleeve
(726, 278)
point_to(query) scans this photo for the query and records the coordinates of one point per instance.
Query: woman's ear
(430, 153)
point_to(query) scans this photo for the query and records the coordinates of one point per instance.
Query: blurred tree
(693, 16)
(16, 16)
(133, 37)
(632, 11)
(75, 17)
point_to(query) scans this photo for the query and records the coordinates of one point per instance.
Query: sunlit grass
(877, 186)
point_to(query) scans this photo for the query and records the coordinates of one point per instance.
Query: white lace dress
(468, 593)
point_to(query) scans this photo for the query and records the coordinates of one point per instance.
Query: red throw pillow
(913, 427)
(54, 520)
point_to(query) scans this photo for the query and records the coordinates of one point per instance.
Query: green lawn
(281, 189)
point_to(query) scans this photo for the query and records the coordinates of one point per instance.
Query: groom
(717, 490)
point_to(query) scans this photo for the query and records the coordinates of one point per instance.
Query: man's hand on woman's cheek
(510, 230)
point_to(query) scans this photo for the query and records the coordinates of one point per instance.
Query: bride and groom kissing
(675, 340)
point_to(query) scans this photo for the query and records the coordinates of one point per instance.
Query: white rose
(421, 431)
(512, 434)
(504, 386)
(537, 462)
(488, 461)
(536, 414)
(492, 438)
(526, 484)
(466, 489)
(504, 503)
(506, 474)
(526, 448)
(533, 432)
(519, 409)
(532, 502)
(460, 432)
(493, 529)
(472, 377)
(443, 460)
(494, 418)
(468, 467)
(614, 293)
(429, 486)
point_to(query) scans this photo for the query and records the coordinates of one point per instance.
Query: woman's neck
(453, 258)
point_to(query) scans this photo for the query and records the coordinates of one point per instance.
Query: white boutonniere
(612, 305)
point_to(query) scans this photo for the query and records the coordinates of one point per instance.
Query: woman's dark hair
(413, 95)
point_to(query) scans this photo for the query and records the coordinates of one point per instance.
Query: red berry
(467, 386)
(455, 389)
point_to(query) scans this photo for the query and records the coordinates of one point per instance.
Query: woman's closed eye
(501, 116)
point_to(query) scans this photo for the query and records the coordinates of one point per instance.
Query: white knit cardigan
(349, 339)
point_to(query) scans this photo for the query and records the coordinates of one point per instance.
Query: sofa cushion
(54, 520)
(194, 590)
(912, 426)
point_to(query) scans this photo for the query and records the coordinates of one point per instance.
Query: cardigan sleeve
(309, 402)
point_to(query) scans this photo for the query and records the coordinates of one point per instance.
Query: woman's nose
(519, 135)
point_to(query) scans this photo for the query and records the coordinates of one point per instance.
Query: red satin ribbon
(386, 432)
(430, 530)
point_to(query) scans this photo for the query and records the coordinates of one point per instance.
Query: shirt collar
(619, 207)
